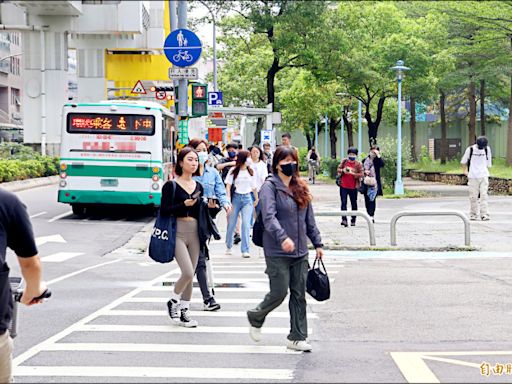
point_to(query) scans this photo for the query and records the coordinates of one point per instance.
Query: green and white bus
(115, 152)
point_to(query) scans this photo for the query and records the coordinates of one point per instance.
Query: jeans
(284, 273)
(370, 205)
(344, 194)
(241, 204)
(479, 187)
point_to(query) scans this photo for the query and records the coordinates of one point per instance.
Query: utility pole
(183, 90)
(360, 126)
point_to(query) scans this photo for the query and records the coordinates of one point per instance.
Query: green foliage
(303, 164)
(388, 149)
(19, 162)
(331, 166)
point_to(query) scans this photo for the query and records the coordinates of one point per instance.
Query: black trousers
(370, 205)
(345, 194)
(202, 277)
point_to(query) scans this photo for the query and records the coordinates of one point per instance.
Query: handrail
(467, 231)
(371, 226)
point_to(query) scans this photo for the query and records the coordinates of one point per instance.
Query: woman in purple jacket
(288, 220)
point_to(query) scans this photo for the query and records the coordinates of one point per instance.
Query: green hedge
(18, 162)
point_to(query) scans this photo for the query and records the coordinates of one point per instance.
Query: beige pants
(5, 358)
(478, 187)
(186, 255)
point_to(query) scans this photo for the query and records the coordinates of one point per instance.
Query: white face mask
(203, 157)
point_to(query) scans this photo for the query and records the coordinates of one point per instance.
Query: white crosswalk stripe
(137, 324)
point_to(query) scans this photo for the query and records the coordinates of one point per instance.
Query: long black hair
(241, 158)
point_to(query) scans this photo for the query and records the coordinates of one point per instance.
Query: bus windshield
(117, 124)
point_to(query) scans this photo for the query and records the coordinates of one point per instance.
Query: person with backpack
(243, 179)
(349, 175)
(288, 221)
(313, 159)
(373, 185)
(476, 162)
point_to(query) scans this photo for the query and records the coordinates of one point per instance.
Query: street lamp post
(360, 126)
(205, 3)
(316, 135)
(399, 185)
(342, 124)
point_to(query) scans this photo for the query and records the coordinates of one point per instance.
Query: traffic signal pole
(183, 84)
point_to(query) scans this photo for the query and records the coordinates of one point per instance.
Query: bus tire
(78, 209)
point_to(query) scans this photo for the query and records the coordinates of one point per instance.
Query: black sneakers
(185, 320)
(237, 239)
(211, 305)
(173, 308)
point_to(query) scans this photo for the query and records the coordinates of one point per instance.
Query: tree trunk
(509, 139)
(482, 107)
(271, 78)
(373, 126)
(472, 112)
(333, 123)
(257, 133)
(412, 124)
(308, 138)
(444, 141)
(349, 128)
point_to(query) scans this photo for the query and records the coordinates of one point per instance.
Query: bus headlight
(155, 178)
(155, 186)
(63, 183)
(63, 175)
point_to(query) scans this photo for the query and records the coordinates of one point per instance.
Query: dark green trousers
(284, 273)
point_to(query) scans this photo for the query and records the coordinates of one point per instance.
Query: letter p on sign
(215, 98)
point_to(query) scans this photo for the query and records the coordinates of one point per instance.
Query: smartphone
(196, 195)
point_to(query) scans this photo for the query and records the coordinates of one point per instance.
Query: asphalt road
(393, 317)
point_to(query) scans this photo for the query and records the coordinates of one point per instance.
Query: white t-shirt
(479, 166)
(244, 182)
(261, 173)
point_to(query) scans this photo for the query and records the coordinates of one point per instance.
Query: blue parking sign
(182, 47)
(215, 98)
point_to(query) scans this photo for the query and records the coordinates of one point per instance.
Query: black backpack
(471, 155)
(258, 228)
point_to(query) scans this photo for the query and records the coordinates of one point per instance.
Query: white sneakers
(246, 255)
(228, 251)
(299, 345)
(255, 333)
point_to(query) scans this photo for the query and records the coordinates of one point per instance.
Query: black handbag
(163, 238)
(317, 283)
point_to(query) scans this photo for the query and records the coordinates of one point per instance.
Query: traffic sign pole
(183, 90)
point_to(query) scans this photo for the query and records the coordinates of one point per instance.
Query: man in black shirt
(225, 164)
(15, 233)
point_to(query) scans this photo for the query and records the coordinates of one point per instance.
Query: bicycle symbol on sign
(182, 55)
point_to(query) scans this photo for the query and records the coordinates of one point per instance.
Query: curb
(21, 185)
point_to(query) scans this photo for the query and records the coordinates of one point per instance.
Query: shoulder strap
(486, 154)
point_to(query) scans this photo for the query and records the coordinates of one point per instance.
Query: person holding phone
(16, 233)
(215, 191)
(184, 205)
(350, 172)
(289, 221)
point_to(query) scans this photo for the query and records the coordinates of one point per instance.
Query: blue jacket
(213, 185)
(282, 218)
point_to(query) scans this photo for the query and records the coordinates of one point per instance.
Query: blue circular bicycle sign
(182, 47)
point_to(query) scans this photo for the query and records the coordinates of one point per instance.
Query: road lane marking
(234, 272)
(49, 239)
(181, 348)
(38, 214)
(167, 372)
(58, 279)
(174, 328)
(200, 300)
(227, 280)
(55, 218)
(60, 256)
(263, 288)
(31, 352)
(243, 314)
(413, 367)
(452, 361)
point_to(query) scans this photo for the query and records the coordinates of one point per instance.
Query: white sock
(175, 296)
(185, 304)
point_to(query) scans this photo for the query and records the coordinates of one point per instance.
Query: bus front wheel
(78, 209)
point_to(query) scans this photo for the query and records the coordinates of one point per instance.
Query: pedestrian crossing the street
(133, 339)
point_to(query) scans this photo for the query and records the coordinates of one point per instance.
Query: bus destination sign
(122, 124)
